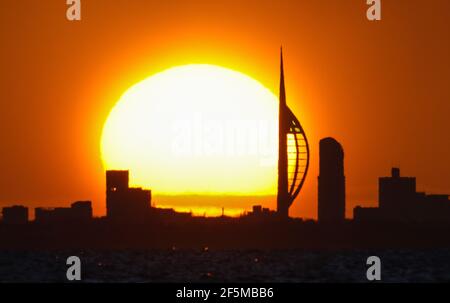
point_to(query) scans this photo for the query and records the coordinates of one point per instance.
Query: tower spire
(283, 195)
(282, 87)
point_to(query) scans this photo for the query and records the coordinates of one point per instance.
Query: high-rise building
(124, 203)
(293, 153)
(331, 182)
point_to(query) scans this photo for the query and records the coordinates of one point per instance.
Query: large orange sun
(195, 129)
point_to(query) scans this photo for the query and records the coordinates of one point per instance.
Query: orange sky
(381, 89)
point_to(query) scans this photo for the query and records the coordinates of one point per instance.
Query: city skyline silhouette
(130, 210)
(127, 204)
(224, 150)
(363, 83)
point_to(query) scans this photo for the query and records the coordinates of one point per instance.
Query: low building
(399, 202)
(366, 214)
(15, 215)
(80, 211)
(260, 213)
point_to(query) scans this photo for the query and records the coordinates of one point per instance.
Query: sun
(195, 129)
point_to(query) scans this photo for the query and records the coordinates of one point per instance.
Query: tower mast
(283, 194)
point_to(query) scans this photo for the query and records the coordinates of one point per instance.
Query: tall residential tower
(331, 182)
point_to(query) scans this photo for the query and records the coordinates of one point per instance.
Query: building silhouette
(79, 212)
(15, 215)
(124, 203)
(331, 191)
(293, 153)
(259, 211)
(396, 192)
(398, 201)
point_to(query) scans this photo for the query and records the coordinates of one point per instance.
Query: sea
(204, 265)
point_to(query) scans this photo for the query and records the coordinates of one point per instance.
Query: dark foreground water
(226, 266)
